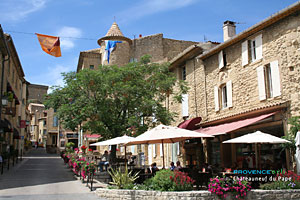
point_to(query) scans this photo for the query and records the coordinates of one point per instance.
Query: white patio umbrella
(297, 155)
(257, 137)
(115, 141)
(166, 134)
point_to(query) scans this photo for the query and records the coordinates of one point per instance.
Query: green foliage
(70, 144)
(123, 180)
(113, 99)
(69, 147)
(280, 185)
(284, 181)
(294, 127)
(161, 181)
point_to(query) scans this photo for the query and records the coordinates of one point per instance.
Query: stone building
(159, 48)
(13, 97)
(36, 93)
(249, 82)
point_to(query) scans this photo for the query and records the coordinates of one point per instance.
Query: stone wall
(280, 42)
(37, 92)
(191, 195)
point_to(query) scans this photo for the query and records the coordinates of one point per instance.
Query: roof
(191, 52)
(254, 29)
(114, 33)
(248, 32)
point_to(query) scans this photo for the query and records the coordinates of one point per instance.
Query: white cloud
(55, 74)
(15, 10)
(68, 36)
(151, 7)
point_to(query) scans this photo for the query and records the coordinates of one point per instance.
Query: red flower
(90, 149)
(83, 147)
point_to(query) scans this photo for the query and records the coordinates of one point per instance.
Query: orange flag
(50, 44)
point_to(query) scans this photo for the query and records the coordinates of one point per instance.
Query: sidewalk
(14, 164)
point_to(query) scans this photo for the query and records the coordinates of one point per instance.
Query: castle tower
(116, 45)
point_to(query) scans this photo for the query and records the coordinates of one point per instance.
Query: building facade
(247, 83)
(13, 96)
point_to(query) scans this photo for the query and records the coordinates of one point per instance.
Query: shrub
(284, 181)
(222, 186)
(182, 181)
(161, 181)
(123, 180)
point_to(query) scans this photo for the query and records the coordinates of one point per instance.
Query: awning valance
(228, 127)
(92, 136)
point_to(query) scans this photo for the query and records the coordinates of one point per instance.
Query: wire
(27, 33)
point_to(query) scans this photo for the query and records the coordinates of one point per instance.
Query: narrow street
(42, 176)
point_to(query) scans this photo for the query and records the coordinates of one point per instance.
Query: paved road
(42, 176)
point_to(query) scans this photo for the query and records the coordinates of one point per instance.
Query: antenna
(204, 38)
(114, 18)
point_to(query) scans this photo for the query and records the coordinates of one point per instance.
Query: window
(255, 47)
(45, 122)
(132, 60)
(183, 73)
(268, 80)
(44, 131)
(223, 96)
(92, 67)
(222, 59)
(185, 105)
(55, 121)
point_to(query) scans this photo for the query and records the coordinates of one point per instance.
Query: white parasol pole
(163, 154)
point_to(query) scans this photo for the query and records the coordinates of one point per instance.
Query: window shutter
(161, 150)
(275, 78)
(229, 93)
(221, 61)
(216, 90)
(185, 105)
(154, 150)
(245, 53)
(258, 48)
(261, 82)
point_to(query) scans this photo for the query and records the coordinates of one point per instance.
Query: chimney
(228, 30)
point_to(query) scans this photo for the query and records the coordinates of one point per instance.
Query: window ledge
(255, 61)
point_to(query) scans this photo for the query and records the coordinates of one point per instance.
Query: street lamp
(4, 101)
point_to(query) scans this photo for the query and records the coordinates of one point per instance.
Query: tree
(113, 100)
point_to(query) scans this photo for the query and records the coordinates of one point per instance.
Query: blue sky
(177, 19)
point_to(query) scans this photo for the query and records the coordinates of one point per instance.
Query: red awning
(190, 124)
(92, 136)
(228, 127)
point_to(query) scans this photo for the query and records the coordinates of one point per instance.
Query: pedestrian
(36, 145)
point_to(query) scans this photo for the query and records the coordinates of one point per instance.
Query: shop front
(241, 156)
